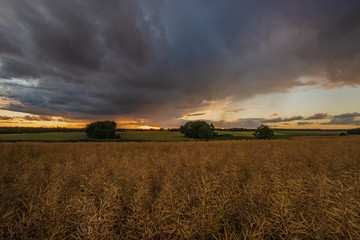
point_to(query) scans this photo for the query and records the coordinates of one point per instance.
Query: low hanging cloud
(88, 59)
(348, 115)
(234, 110)
(342, 119)
(345, 119)
(304, 123)
(250, 122)
(317, 116)
(37, 118)
(195, 114)
(33, 118)
(284, 119)
(4, 118)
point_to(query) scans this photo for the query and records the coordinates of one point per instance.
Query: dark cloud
(30, 118)
(345, 119)
(37, 118)
(18, 68)
(159, 60)
(2, 117)
(348, 115)
(6, 47)
(304, 123)
(317, 116)
(284, 119)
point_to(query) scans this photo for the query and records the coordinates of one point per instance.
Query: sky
(160, 63)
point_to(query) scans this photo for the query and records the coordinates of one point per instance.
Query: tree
(101, 129)
(263, 132)
(198, 129)
(354, 131)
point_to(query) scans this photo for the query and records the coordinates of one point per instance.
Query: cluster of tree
(101, 129)
(15, 130)
(198, 129)
(354, 131)
(203, 130)
(264, 132)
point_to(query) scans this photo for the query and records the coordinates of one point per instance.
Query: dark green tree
(354, 131)
(198, 129)
(263, 132)
(101, 130)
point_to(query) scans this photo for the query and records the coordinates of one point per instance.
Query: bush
(198, 129)
(342, 134)
(101, 130)
(264, 132)
(354, 131)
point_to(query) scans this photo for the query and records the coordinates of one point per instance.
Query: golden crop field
(306, 188)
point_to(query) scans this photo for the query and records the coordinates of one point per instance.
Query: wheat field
(306, 188)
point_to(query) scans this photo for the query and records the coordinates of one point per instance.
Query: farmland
(144, 136)
(129, 135)
(305, 188)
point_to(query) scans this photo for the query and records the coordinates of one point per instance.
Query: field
(50, 136)
(306, 188)
(145, 136)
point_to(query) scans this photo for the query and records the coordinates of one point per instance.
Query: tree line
(204, 130)
(354, 131)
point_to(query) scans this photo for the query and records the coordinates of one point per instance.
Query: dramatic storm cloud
(159, 60)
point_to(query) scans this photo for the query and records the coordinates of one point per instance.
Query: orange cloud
(195, 114)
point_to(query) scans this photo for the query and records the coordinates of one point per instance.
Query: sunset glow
(147, 127)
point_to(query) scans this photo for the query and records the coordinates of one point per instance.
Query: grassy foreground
(306, 188)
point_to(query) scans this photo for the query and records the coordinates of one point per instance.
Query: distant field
(153, 136)
(241, 134)
(51, 136)
(286, 134)
(306, 188)
(81, 136)
(163, 136)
